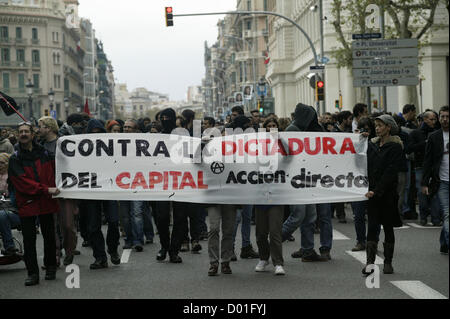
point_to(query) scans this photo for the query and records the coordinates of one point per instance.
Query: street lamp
(30, 87)
(51, 97)
(66, 106)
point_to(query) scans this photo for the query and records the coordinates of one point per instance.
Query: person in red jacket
(32, 173)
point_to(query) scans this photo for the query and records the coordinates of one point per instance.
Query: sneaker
(175, 259)
(184, 247)
(261, 266)
(233, 257)
(213, 270)
(138, 248)
(99, 264)
(359, 247)
(298, 254)
(313, 256)
(196, 247)
(32, 280)
(115, 258)
(50, 274)
(248, 252)
(279, 271)
(162, 254)
(225, 268)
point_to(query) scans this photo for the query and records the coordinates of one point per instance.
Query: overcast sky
(146, 53)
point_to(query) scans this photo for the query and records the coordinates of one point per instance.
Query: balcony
(6, 41)
(76, 97)
(71, 72)
(246, 55)
(36, 65)
(35, 41)
(21, 42)
(20, 92)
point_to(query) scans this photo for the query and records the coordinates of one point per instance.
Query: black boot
(388, 254)
(371, 250)
(50, 273)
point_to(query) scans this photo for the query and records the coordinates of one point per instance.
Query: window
(20, 55)
(18, 33)
(141, 107)
(5, 55)
(21, 80)
(56, 58)
(55, 36)
(6, 80)
(249, 5)
(249, 25)
(121, 108)
(66, 86)
(265, 5)
(36, 81)
(34, 33)
(35, 57)
(4, 32)
(57, 81)
(134, 107)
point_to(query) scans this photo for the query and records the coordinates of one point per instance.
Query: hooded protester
(168, 119)
(384, 156)
(304, 216)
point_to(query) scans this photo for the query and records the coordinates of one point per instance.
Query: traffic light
(260, 106)
(320, 90)
(375, 104)
(336, 104)
(169, 17)
(46, 112)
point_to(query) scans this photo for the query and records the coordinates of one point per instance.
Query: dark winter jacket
(417, 142)
(31, 174)
(305, 120)
(170, 124)
(93, 123)
(434, 151)
(383, 165)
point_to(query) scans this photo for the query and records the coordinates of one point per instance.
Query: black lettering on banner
(350, 178)
(161, 148)
(268, 178)
(241, 177)
(250, 178)
(83, 180)
(327, 181)
(231, 178)
(89, 150)
(124, 146)
(142, 147)
(65, 176)
(65, 150)
(281, 174)
(338, 182)
(108, 149)
(94, 181)
(315, 178)
(361, 181)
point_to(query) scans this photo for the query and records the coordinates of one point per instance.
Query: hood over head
(171, 123)
(305, 119)
(94, 123)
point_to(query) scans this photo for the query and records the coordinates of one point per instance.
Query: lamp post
(66, 106)
(30, 87)
(51, 97)
(262, 87)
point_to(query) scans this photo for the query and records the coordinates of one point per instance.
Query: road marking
(361, 256)
(339, 236)
(403, 227)
(427, 227)
(418, 290)
(125, 256)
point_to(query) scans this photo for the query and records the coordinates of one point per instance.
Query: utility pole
(383, 90)
(322, 50)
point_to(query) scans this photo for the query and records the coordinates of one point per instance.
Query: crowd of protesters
(407, 163)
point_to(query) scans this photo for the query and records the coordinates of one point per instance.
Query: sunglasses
(25, 123)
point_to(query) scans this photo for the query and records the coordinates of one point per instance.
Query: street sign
(316, 67)
(379, 44)
(366, 36)
(325, 60)
(375, 53)
(53, 114)
(394, 62)
(385, 72)
(385, 82)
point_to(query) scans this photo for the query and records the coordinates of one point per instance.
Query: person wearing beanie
(384, 156)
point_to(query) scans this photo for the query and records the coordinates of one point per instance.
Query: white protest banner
(257, 168)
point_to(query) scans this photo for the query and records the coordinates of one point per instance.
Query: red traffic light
(169, 9)
(320, 84)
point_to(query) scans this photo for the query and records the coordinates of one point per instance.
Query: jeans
(47, 225)
(8, 221)
(303, 216)
(96, 238)
(326, 227)
(427, 204)
(132, 217)
(443, 199)
(244, 215)
(148, 225)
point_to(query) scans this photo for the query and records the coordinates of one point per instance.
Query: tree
(410, 19)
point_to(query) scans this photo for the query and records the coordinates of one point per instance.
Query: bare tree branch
(430, 19)
(337, 23)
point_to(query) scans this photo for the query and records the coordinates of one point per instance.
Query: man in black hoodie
(93, 210)
(418, 138)
(169, 244)
(304, 216)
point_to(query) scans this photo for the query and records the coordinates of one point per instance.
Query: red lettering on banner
(139, 181)
(278, 148)
(187, 180)
(200, 181)
(308, 147)
(328, 145)
(247, 147)
(347, 146)
(119, 179)
(154, 178)
(166, 181)
(265, 146)
(175, 176)
(241, 147)
(224, 148)
(292, 142)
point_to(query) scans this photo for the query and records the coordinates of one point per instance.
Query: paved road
(420, 272)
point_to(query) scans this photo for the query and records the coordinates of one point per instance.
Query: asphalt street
(420, 272)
